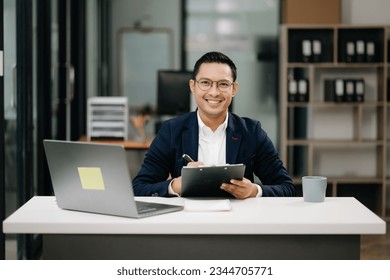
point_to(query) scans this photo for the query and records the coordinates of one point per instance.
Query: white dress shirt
(212, 145)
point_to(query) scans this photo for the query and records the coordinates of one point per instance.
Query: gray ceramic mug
(314, 188)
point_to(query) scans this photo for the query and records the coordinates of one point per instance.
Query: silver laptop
(95, 178)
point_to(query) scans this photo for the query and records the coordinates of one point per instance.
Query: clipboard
(205, 181)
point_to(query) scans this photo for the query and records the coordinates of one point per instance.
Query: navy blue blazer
(246, 142)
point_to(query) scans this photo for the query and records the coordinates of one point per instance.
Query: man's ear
(192, 85)
(235, 88)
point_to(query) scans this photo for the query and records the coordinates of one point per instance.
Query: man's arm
(153, 177)
(270, 169)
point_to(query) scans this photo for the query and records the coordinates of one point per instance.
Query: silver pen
(187, 158)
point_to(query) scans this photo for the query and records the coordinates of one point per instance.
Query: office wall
(154, 13)
(145, 14)
(365, 12)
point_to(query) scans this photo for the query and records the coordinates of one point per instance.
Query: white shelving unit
(108, 117)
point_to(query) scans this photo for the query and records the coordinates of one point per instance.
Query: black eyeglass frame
(217, 82)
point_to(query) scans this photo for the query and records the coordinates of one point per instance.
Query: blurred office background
(58, 53)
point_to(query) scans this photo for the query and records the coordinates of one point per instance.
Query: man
(212, 135)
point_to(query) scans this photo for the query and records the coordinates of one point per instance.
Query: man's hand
(240, 188)
(195, 163)
(176, 183)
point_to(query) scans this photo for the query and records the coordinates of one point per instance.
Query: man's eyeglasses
(222, 85)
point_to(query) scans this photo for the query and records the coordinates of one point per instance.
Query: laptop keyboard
(151, 207)
(145, 209)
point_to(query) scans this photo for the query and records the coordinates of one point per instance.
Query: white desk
(258, 228)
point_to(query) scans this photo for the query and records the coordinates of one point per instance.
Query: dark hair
(215, 57)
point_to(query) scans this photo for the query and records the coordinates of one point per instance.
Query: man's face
(213, 103)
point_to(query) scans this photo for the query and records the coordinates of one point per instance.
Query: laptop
(92, 177)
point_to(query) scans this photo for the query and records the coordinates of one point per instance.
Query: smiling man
(212, 135)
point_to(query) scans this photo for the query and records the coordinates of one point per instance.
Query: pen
(187, 158)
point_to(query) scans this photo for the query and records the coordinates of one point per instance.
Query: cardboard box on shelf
(311, 11)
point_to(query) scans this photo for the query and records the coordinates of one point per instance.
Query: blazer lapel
(233, 141)
(191, 137)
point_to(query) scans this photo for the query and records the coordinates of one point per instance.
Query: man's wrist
(170, 189)
(259, 191)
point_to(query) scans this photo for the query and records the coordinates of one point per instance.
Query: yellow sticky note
(91, 178)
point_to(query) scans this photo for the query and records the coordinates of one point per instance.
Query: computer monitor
(173, 96)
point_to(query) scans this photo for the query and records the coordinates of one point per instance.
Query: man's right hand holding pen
(176, 182)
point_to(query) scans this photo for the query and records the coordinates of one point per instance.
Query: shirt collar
(202, 126)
